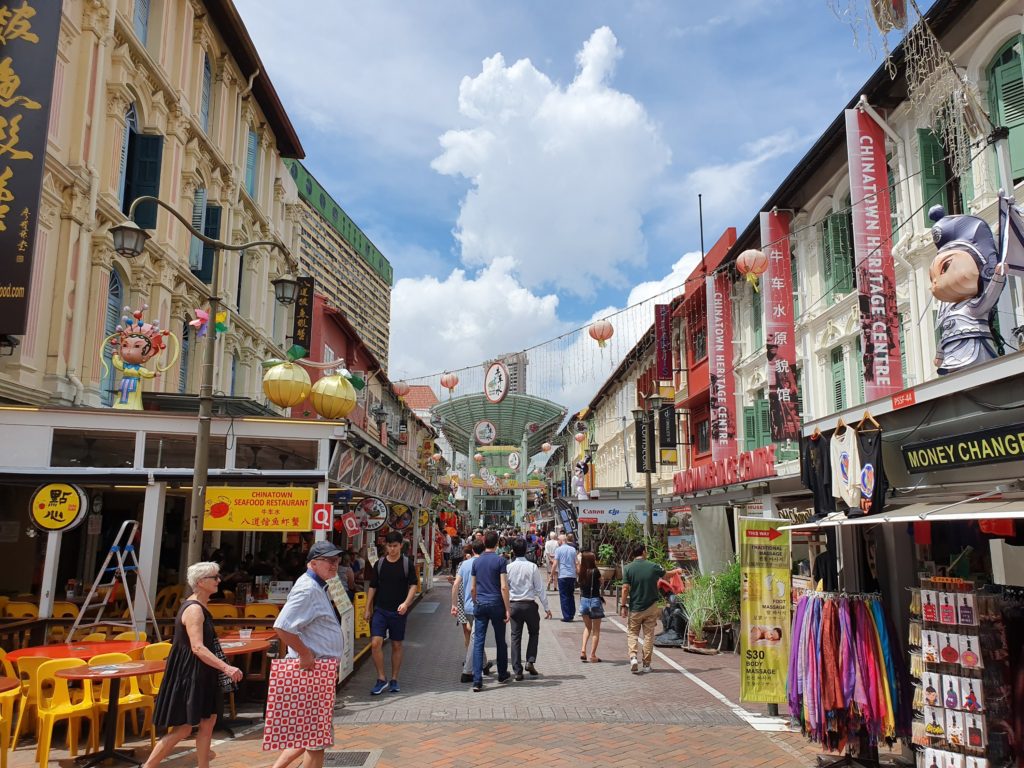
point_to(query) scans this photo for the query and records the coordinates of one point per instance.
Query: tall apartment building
(349, 269)
(517, 363)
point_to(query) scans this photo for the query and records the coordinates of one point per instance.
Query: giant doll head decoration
(136, 342)
(966, 278)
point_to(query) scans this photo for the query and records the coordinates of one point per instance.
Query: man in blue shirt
(489, 590)
(462, 583)
(563, 567)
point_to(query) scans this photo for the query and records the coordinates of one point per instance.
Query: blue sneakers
(394, 687)
(379, 687)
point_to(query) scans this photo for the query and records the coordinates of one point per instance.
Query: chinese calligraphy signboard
(302, 327)
(723, 384)
(663, 341)
(496, 382)
(258, 509)
(28, 54)
(777, 286)
(872, 242)
(58, 507)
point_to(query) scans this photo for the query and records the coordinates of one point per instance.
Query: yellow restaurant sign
(58, 507)
(258, 509)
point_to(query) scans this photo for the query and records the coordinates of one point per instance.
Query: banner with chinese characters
(302, 326)
(258, 509)
(663, 341)
(28, 39)
(645, 444)
(872, 244)
(720, 370)
(764, 609)
(777, 287)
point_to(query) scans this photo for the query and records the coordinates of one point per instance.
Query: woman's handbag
(226, 683)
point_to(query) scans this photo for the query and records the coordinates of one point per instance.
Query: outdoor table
(239, 648)
(114, 673)
(84, 651)
(257, 634)
(9, 684)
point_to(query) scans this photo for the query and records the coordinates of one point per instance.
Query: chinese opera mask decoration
(966, 279)
(135, 342)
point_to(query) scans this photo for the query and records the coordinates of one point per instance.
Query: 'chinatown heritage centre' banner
(777, 287)
(723, 383)
(872, 243)
(764, 609)
(28, 55)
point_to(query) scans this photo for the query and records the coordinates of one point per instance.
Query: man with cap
(310, 626)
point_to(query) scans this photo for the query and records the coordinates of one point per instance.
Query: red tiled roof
(420, 397)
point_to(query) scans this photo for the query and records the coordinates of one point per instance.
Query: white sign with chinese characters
(485, 432)
(496, 382)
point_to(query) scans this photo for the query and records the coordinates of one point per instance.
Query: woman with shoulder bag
(591, 605)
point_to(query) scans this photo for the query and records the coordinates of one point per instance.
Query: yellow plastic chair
(5, 741)
(131, 700)
(130, 635)
(262, 611)
(62, 610)
(223, 610)
(59, 707)
(7, 700)
(4, 600)
(167, 602)
(18, 609)
(95, 637)
(28, 669)
(150, 684)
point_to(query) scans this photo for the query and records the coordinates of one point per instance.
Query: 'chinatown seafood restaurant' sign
(987, 446)
(751, 465)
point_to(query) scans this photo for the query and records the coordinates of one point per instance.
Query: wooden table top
(110, 671)
(84, 651)
(239, 647)
(257, 634)
(9, 684)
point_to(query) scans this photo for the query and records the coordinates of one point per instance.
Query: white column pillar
(149, 550)
(49, 586)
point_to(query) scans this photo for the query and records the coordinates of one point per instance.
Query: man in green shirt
(639, 604)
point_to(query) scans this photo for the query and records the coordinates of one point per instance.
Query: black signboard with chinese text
(302, 327)
(28, 54)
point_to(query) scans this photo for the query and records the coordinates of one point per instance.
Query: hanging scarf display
(847, 675)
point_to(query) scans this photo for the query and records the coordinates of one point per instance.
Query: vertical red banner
(663, 341)
(777, 287)
(720, 371)
(872, 242)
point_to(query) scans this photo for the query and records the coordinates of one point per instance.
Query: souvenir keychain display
(947, 664)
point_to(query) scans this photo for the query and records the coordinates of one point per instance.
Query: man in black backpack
(392, 588)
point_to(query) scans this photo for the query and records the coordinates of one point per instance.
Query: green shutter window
(251, 158)
(794, 275)
(204, 102)
(840, 227)
(749, 428)
(933, 173)
(894, 211)
(211, 228)
(838, 380)
(860, 370)
(143, 177)
(195, 248)
(826, 262)
(141, 20)
(764, 422)
(903, 352)
(183, 357)
(1006, 94)
(757, 320)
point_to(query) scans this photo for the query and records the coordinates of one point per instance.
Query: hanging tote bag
(291, 720)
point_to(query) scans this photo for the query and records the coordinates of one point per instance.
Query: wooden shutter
(764, 422)
(894, 211)
(183, 359)
(903, 352)
(240, 284)
(826, 261)
(841, 249)
(115, 302)
(250, 164)
(794, 276)
(749, 428)
(757, 318)
(204, 104)
(195, 246)
(933, 173)
(130, 127)
(838, 380)
(141, 20)
(860, 370)
(1007, 88)
(211, 228)
(145, 155)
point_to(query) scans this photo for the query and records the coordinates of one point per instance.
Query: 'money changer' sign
(28, 54)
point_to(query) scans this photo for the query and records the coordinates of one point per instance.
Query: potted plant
(725, 586)
(699, 603)
(606, 563)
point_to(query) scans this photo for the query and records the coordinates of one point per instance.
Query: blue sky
(529, 166)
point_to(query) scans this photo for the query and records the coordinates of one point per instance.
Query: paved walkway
(573, 714)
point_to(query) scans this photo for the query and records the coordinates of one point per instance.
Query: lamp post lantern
(129, 241)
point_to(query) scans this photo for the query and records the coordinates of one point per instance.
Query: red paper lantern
(478, 458)
(580, 437)
(400, 388)
(546, 447)
(601, 331)
(752, 263)
(449, 381)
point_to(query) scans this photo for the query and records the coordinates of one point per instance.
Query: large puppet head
(966, 259)
(137, 341)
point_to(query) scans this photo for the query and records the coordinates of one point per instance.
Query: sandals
(594, 660)
(583, 657)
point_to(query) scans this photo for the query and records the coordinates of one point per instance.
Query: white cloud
(561, 175)
(461, 320)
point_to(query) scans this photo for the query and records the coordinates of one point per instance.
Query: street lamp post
(129, 241)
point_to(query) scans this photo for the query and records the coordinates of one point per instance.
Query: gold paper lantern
(286, 384)
(333, 397)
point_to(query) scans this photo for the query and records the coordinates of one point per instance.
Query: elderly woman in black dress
(188, 692)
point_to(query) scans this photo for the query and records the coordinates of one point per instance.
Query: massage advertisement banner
(872, 244)
(777, 287)
(720, 371)
(764, 609)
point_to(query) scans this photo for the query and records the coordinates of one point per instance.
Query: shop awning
(916, 513)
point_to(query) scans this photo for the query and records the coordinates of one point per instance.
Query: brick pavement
(575, 713)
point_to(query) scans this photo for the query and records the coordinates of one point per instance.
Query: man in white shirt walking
(549, 554)
(524, 584)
